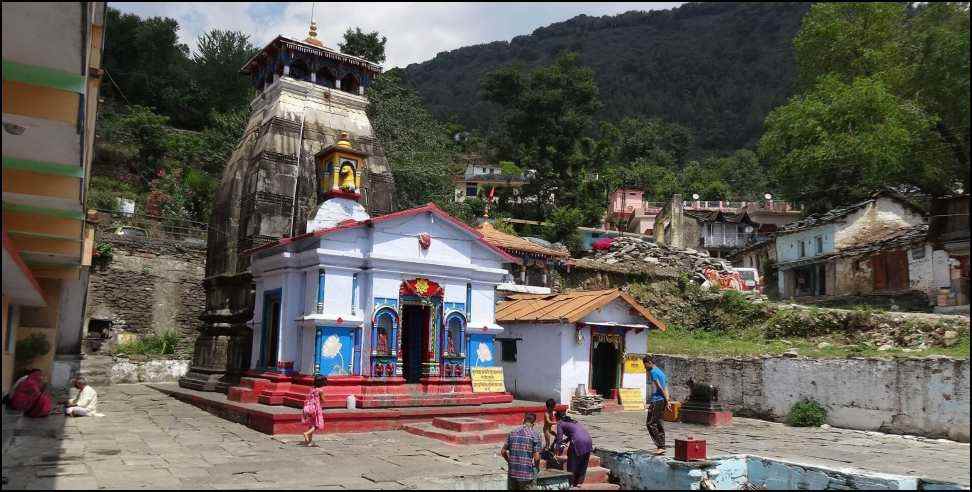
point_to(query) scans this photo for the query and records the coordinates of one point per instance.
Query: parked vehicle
(750, 279)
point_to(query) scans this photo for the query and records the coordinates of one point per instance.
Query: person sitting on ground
(13, 389)
(29, 393)
(549, 421)
(522, 454)
(86, 403)
(572, 435)
(313, 414)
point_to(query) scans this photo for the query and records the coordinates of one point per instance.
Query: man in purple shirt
(522, 454)
(579, 446)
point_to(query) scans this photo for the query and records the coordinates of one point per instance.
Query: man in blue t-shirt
(657, 403)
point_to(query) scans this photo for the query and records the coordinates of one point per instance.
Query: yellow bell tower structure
(339, 168)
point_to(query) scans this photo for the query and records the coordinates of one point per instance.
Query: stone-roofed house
(877, 246)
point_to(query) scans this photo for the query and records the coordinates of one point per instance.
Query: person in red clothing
(313, 415)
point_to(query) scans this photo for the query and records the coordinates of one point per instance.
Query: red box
(690, 449)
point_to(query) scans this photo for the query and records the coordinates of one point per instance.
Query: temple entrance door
(271, 330)
(415, 337)
(605, 359)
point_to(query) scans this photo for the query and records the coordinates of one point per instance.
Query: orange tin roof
(569, 307)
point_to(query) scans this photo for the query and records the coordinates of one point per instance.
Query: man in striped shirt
(522, 454)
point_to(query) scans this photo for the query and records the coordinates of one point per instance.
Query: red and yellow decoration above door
(421, 287)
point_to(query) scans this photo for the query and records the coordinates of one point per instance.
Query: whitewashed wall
(878, 216)
(536, 375)
(928, 397)
(576, 368)
(930, 272)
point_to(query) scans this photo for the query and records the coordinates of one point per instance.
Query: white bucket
(351, 402)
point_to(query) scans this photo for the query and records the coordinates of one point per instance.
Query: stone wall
(103, 370)
(918, 396)
(150, 286)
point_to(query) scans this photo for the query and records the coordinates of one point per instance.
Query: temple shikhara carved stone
(310, 279)
(308, 95)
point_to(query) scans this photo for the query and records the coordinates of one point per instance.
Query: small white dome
(334, 211)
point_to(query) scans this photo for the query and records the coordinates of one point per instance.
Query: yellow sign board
(634, 365)
(632, 399)
(487, 379)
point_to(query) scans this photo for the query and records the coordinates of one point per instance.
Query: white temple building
(373, 305)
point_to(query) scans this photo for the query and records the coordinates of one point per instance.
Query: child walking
(313, 415)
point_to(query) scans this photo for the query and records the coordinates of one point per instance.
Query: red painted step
(464, 424)
(453, 437)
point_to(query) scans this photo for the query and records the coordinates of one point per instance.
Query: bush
(33, 346)
(161, 344)
(806, 413)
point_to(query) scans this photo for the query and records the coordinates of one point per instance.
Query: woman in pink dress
(313, 415)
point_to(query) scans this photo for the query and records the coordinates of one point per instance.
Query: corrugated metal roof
(569, 307)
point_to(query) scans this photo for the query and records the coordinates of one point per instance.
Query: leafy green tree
(546, 114)
(839, 142)
(146, 131)
(938, 41)
(564, 222)
(852, 40)
(370, 46)
(149, 67)
(216, 66)
(416, 145)
(918, 55)
(221, 137)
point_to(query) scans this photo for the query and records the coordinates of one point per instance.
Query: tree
(364, 45)
(416, 145)
(839, 142)
(149, 66)
(547, 112)
(852, 40)
(216, 66)
(918, 55)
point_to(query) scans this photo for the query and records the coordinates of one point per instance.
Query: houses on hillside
(718, 228)
(480, 174)
(878, 246)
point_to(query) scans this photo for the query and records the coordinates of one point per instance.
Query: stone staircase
(472, 430)
(461, 430)
(596, 478)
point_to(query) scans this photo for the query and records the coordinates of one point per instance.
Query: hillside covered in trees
(715, 68)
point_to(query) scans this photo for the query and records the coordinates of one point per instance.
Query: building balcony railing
(730, 240)
(141, 226)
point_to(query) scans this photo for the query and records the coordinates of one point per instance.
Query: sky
(416, 32)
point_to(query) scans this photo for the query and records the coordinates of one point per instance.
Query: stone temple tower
(308, 95)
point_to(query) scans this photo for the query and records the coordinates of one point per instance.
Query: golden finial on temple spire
(312, 34)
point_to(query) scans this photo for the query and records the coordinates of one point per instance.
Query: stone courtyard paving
(149, 440)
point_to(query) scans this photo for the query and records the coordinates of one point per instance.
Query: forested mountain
(717, 68)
